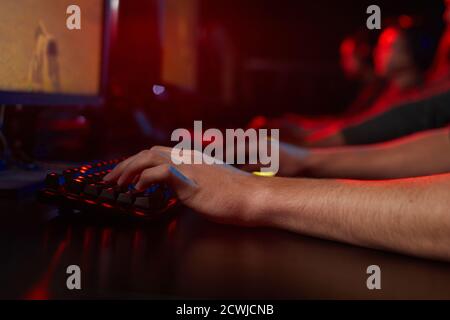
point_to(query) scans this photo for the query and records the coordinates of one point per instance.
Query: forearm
(410, 216)
(425, 114)
(418, 155)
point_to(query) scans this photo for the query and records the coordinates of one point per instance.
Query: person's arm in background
(417, 155)
(411, 216)
(425, 114)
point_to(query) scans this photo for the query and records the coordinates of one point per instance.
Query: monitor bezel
(61, 99)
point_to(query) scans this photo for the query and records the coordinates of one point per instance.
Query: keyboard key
(68, 174)
(95, 189)
(76, 185)
(98, 176)
(52, 181)
(126, 198)
(111, 194)
(151, 201)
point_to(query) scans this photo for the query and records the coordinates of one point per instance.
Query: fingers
(165, 173)
(144, 160)
(126, 171)
(117, 171)
(152, 175)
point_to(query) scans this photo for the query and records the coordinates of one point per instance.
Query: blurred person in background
(440, 71)
(357, 65)
(403, 55)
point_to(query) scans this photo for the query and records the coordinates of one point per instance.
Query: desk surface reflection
(189, 257)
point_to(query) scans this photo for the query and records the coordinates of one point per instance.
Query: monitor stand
(20, 182)
(16, 183)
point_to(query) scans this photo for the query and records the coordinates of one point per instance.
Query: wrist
(249, 194)
(261, 195)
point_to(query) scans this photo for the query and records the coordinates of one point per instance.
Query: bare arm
(418, 155)
(411, 216)
(429, 112)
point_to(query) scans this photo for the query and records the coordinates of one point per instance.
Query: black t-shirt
(431, 113)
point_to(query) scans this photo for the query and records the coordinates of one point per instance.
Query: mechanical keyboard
(83, 189)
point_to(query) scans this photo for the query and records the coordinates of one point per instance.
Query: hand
(221, 192)
(293, 160)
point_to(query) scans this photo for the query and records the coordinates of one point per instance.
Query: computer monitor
(43, 62)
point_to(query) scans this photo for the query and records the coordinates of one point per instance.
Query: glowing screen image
(38, 53)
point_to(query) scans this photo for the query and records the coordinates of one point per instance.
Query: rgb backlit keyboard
(83, 188)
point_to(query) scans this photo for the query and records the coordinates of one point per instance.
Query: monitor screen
(42, 61)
